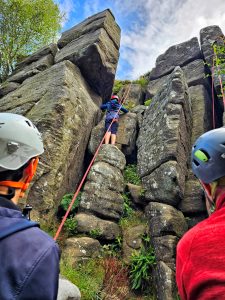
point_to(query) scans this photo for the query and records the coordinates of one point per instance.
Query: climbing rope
(123, 99)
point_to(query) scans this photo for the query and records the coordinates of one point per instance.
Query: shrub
(141, 268)
(129, 105)
(70, 225)
(148, 102)
(116, 280)
(113, 249)
(87, 276)
(95, 233)
(143, 81)
(131, 176)
(127, 209)
(66, 200)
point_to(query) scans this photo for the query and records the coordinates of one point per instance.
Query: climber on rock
(29, 257)
(200, 267)
(112, 115)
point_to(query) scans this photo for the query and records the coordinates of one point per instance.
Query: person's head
(20, 146)
(115, 97)
(208, 161)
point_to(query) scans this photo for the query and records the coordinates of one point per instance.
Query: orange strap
(29, 171)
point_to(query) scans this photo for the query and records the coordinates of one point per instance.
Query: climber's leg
(107, 137)
(113, 139)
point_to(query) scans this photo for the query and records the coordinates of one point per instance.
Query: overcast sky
(149, 27)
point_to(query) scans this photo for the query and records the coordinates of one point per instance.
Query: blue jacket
(29, 260)
(112, 109)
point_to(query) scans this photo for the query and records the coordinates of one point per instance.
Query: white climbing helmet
(20, 140)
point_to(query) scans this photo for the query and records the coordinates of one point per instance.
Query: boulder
(104, 19)
(94, 49)
(112, 155)
(7, 87)
(201, 103)
(127, 133)
(61, 105)
(32, 69)
(80, 249)
(135, 95)
(139, 111)
(101, 195)
(194, 199)
(165, 282)
(133, 241)
(101, 201)
(49, 49)
(165, 220)
(178, 55)
(165, 184)
(106, 230)
(208, 36)
(67, 290)
(165, 248)
(165, 136)
(97, 135)
(194, 73)
(136, 192)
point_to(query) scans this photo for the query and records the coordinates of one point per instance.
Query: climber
(113, 106)
(200, 268)
(29, 257)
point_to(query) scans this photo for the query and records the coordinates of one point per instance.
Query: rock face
(101, 195)
(81, 249)
(126, 135)
(90, 224)
(53, 92)
(135, 95)
(51, 99)
(178, 55)
(93, 46)
(163, 156)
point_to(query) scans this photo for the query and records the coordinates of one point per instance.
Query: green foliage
(119, 84)
(127, 209)
(87, 276)
(148, 102)
(134, 219)
(113, 249)
(25, 26)
(95, 233)
(70, 225)
(129, 104)
(143, 81)
(131, 176)
(66, 200)
(141, 268)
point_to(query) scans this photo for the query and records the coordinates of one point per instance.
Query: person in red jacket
(200, 263)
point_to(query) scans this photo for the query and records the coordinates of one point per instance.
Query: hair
(13, 175)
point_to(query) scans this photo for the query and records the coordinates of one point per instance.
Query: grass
(88, 277)
(131, 175)
(136, 218)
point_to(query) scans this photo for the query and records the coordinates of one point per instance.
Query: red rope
(85, 175)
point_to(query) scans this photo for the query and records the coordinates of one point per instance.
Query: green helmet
(20, 140)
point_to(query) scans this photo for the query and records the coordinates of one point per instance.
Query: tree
(25, 26)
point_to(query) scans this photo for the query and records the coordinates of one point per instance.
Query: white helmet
(20, 140)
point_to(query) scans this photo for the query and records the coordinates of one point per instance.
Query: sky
(148, 27)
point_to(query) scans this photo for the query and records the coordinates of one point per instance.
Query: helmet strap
(28, 173)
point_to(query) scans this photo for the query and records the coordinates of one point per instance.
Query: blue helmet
(208, 155)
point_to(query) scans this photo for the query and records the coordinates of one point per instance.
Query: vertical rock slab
(93, 46)
(105, 183)
(208, 36)
(164, 139)
(178, 55)
(135, 95)
(61, 105)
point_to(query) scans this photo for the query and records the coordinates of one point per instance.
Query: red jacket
(200, 264)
